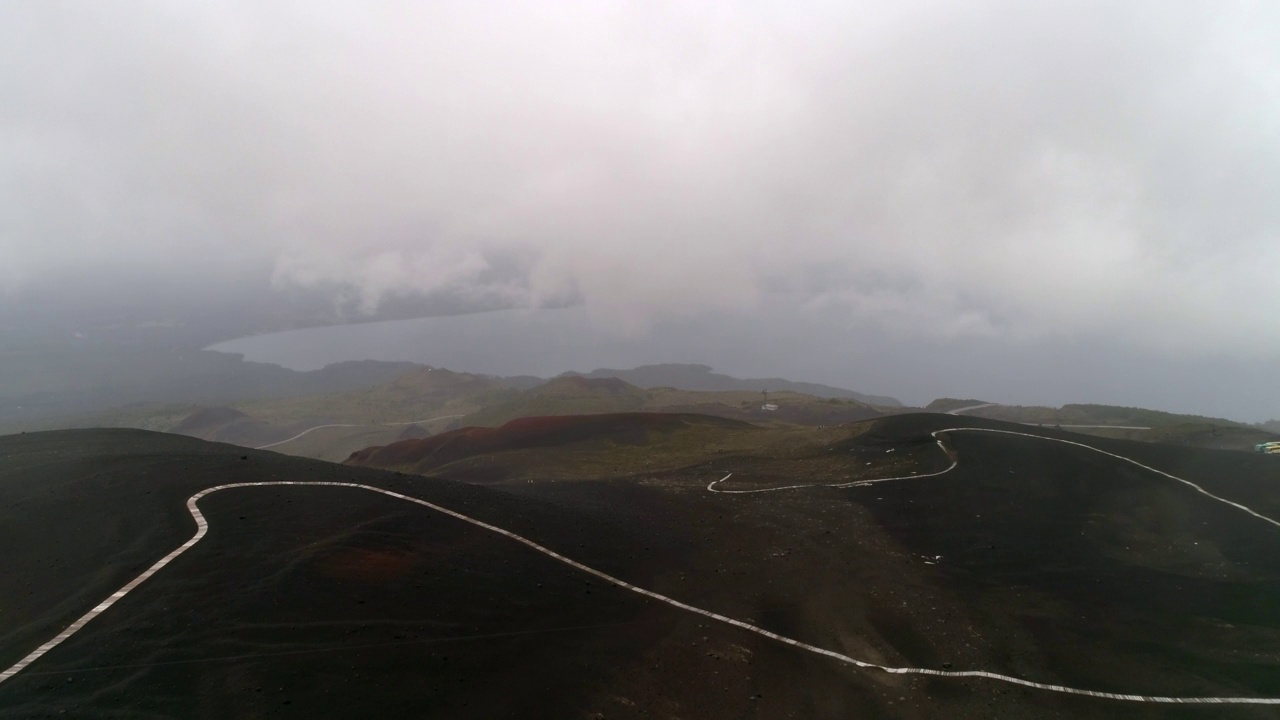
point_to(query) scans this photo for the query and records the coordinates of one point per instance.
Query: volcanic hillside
(1032, 558)
(561, 444)
(574, 395)
(427, 400)
(1126, 423)
(1103, 571)
(331, 427)
(222, 424)
(702, 377)
(418, 393)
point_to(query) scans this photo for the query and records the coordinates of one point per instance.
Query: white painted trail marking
(320, 427)
(202, 528)
(712, 485)
(967, 408)
(955, 461)
(1102, 427)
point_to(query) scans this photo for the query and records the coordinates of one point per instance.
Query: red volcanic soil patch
(527, 432)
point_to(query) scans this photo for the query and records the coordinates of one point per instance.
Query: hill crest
(690, 376)
(529, 432)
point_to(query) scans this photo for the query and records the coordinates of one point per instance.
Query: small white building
(768, 407)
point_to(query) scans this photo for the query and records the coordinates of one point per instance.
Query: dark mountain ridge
(702, 377)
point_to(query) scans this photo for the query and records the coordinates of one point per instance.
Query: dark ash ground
(1058, 565)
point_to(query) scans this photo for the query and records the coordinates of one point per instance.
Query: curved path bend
(955, 461)
(202, 528)
(966, 408)
(332, 425)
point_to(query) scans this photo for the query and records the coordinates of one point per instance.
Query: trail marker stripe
(202, 528)
(320, 427)
(955, 462)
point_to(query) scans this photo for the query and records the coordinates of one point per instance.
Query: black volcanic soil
(302, 602)
(1122, 579)
(1057, 564)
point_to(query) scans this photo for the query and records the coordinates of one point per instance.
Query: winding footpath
(966, 408)
(955, 462)
(202, 528)
(333, 425)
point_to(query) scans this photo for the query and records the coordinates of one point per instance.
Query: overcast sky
(1017, 173)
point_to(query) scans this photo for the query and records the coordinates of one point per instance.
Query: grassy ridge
(628, 444)
(578, 395)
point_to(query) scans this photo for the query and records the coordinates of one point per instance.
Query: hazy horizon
(1057, 201)
(547, 343)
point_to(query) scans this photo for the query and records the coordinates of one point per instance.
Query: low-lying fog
(792, 343)
(1031, 202)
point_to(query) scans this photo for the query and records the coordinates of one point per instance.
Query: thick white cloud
(998, 169)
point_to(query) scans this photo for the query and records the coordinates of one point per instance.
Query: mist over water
(798, 344)
(543, 342)
(1024, 202)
